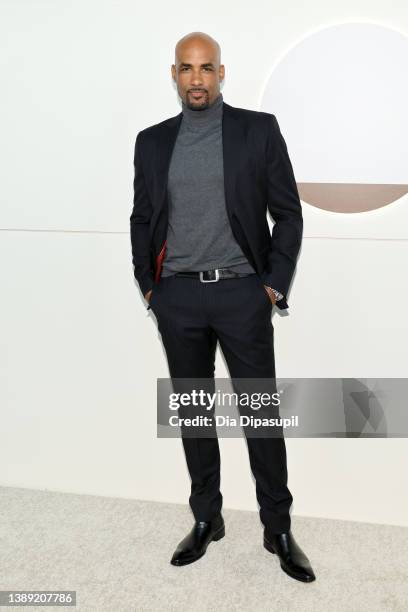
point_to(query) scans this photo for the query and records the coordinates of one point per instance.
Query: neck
(204, 116)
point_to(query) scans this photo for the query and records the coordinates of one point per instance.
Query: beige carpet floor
(115, 554)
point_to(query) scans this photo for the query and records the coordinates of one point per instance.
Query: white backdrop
(80, 353)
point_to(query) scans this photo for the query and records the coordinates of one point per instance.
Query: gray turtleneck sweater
(199, 235)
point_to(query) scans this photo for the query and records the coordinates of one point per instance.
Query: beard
(199, 104)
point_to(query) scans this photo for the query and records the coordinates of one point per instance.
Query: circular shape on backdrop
(340, 97)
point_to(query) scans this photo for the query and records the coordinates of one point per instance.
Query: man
(210, 270)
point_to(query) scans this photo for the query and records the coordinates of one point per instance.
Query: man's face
(197, 74)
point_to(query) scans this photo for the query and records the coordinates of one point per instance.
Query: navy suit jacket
(258, 176)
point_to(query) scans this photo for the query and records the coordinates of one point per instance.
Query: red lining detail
(159, 262)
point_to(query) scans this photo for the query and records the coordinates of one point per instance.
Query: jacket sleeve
(286, 211)
(140, 225)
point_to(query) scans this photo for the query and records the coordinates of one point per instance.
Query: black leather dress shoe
(194, 545)
(293, 561)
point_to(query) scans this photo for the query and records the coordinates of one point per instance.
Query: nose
(196, 79)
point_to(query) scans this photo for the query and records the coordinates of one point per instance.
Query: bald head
(196, 39)
(197, 70)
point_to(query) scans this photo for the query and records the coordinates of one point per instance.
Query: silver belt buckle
(214, 280)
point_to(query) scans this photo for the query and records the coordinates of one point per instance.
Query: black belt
(212, 276)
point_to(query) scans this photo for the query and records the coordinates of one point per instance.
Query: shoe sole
(217, 536)
(270, 548)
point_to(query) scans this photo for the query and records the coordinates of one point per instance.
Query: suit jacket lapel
(168, 136)
(232, 144)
